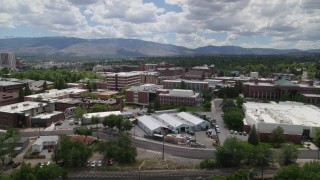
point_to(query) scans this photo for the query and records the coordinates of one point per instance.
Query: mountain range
(67, 46)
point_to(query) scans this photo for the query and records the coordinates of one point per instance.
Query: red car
(110, 161)
(49, 149)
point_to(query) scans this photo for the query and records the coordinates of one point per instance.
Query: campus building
(179, 97)
(9, 86)
(297, 119)
(142, 95)
(190, 85)
(276, 89)
(117, 81)
(28, 114)
(8, 59)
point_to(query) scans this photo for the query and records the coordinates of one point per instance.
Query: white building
(150, 125)
(197, 122)
(297, 119)
(117, 81)
(100, 115)
(55, 94)
(44, 142)
(174, 123)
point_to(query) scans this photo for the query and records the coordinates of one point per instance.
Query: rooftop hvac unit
(14, 107)
(26, 104)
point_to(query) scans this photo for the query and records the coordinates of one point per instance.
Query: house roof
(284, 82)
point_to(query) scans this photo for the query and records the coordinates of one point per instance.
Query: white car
(48, 163)
(217, 126)
(218, 130)
(93, 164)
(99, 163)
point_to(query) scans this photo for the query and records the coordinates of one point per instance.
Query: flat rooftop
(46, 115)
(9, 83)
(290, 113)
(54, 93)
(21, 107)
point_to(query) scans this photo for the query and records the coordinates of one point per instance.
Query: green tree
(44, 86)
(182, 109)
(240, 101)
(25, 172)
(127, 125)
(277, 137)
(234, 119)
(99, 108)
(79, 112)
(94, 86)
(50, 172)
(110, 121)
(231, 153)
(288, 154)
(83, 131)
(291, 172)
(285, 96)
(119, 122)
(310, 170)
(156, 105)
(316, 139)
(95, 120)
(27, 90)
(253, 138)
(73, 154)
(89, 86)
(21, 95)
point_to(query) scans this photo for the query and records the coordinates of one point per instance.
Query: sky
(282, 24)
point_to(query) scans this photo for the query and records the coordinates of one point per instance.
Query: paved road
(193, 153)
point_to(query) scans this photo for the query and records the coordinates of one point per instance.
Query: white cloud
(289, 23)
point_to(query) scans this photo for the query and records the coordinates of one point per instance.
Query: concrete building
(142, 95)
(117, 81)
(191, 85)
(21, 114)
(297, 119)
(179, 97)
(8, 60)
(9, 86)
(46, 119)
(200, 72)
(150, 125)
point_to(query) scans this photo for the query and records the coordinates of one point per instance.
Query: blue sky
(282, 24)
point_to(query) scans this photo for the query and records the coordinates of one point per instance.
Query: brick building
(200, 72)
(8, 98)
(21, 114)
(142, 95)
(179, 97)
(8, 86)
(276, 89)
(150, 78)
(190, 85)
(117, 81)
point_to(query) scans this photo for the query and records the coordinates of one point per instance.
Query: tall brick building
(8, 86)
(190, 85)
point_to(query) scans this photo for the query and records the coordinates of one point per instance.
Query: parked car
(240, 133)
(244, 133)
(58, 123)
(231, 131)
(88, 163)
(235, 132)
(217, 126)
(71, 123)
(15, 165)
(218, 130)
(10, 163)
(99, 164)
(93, 164)
(41, 165)
(48, 163)
(49, 149)
(110, 161)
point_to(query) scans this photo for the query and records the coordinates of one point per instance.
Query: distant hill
(122, 47)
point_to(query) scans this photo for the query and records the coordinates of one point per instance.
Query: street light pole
(163, 147)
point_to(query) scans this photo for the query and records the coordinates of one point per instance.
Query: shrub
(208, 164)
